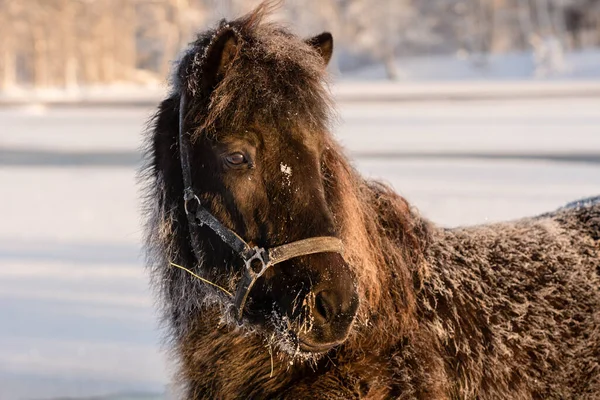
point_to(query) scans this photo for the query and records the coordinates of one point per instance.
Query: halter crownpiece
(262, 258)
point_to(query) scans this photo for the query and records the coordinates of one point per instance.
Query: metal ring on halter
(187, 199)
(249, 278)
(259, 254)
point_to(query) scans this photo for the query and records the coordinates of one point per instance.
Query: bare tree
(380, 30)
(9, 31)
(67, 43)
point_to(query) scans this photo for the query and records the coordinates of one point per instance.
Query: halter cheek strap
(256, 259)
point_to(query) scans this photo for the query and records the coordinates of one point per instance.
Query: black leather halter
(198, 216)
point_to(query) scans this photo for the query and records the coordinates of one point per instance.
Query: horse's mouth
(308, 347)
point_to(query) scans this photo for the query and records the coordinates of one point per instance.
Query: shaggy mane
(273, 74)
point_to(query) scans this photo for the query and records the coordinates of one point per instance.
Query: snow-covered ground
(76, 316)
(430, 76)
(581, 64)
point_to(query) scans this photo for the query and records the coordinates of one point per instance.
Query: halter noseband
(199, 216)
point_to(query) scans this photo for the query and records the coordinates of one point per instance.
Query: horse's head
(258, 112)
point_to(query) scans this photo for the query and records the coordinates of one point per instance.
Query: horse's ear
(219, 57)
(323, 43)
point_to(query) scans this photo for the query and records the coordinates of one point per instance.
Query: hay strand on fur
(271, 354)
(201, 278)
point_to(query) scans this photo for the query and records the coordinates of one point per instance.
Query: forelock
(275, 79)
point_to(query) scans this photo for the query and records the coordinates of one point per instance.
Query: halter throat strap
(257, 260)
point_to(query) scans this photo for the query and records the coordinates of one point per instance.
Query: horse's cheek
(248, 192)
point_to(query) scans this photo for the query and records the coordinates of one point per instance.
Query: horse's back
(535, 286)
(583, 203)
(582, 215)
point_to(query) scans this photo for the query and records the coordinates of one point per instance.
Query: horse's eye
(236, 159)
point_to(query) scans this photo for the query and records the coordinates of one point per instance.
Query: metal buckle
(258, 254)
(249, 278)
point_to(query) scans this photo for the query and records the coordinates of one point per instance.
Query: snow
(124, 91)
(429, 75)
(286, 170)
(88, 129)
(579, 65)
(541, 126)
(76, 315)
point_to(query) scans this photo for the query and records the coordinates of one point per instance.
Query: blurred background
(70, 44)
(475, 110)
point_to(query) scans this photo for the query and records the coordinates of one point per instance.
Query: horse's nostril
(324, 307)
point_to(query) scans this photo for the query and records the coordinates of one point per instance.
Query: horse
(282, 273)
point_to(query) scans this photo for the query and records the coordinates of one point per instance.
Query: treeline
(69, 43)
(66, 43)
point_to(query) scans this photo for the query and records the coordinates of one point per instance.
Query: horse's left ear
(219, 56)
(323, 43)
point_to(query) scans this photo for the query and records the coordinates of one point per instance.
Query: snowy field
(576, 65)
(76, 317)
(429, 76)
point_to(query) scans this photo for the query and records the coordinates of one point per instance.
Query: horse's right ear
(219, 56)
(323, 44)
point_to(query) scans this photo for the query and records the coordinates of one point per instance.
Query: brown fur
(504, 311)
